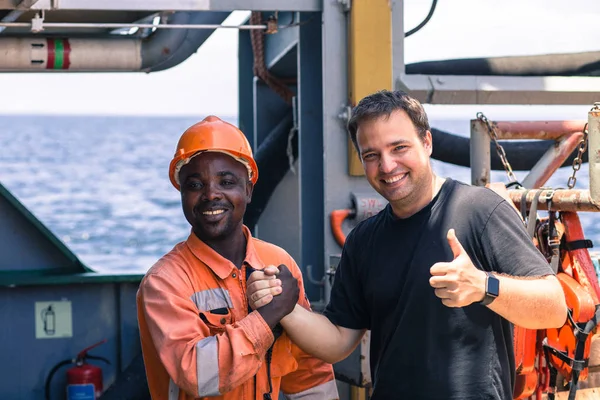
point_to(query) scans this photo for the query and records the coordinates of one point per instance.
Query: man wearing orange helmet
(199, 337)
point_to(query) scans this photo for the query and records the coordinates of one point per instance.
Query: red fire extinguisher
(84, 381)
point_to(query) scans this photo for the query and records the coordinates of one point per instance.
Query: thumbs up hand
(458, 282)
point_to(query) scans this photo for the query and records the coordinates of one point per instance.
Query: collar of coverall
(217, 263)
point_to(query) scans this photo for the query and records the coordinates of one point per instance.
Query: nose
(211, 192)
(386, 164)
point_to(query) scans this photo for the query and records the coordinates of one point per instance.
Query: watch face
(493, 286)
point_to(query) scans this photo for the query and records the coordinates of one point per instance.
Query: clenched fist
(262, 286)
(273, 298)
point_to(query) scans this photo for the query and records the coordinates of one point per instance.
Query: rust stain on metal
(562, 200)
(559, 153)
(538, 129)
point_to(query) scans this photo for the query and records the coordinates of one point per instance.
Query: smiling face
(396, 161)
(215, 191)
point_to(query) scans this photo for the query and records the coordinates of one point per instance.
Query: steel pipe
(551, 161)
(161, 50)
(562, 199)
(134, 25)
(534, 129)
(48, 54)
(166, 48)
(594, 151)
(481, 163)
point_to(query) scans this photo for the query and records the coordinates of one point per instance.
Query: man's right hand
(272, 301)
(262, 286)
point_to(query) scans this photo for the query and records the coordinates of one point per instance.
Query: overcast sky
(207, 81)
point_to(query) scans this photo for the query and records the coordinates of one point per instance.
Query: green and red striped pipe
(59, 52)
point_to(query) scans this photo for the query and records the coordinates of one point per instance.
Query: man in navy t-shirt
(439, 276)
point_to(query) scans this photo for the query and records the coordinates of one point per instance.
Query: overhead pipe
(522, 155)
(165, 49)
(570, 64)
(542, 130)
(161, 50)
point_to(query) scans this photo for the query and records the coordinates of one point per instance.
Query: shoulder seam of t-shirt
(490, 216)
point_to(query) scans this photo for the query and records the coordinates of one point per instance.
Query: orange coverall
(198, 339)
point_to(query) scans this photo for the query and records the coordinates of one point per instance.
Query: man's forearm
(531, 303)
(317, 336)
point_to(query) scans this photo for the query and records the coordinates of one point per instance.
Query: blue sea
(101, 183)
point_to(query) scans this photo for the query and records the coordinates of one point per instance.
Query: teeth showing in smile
(394, 179)
(215, 212)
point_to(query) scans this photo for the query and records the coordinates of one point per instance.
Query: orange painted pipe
(547, 130)
(336, 219)
(561, 152)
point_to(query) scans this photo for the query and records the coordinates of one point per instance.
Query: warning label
(53, 320)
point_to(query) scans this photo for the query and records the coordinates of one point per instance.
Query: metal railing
(569, 136)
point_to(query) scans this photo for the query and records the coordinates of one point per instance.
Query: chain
(582, 147)
(499, 149)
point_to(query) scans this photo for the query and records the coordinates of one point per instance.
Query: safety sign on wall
(53, 319)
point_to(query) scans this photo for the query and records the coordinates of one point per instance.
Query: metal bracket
(311, 279)
(37, 23)
(345, 114)
(326, 282)
(346, 5)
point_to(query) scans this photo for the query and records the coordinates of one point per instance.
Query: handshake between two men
(273, 292)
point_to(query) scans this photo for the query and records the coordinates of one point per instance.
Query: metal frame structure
(448, 89)
(329, 58)
(567, 135)
(174, 5)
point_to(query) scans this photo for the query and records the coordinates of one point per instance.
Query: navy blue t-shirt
(421, 349)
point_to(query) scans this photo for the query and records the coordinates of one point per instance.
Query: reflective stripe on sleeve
(325, 391)
(207, 367)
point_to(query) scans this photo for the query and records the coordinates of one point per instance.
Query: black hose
(91, 357)
(131, 384)
(51, 374)
(522, 155)
(424, 22)
(273, 163)
(570, 64)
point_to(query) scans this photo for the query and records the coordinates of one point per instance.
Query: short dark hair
(383, 104)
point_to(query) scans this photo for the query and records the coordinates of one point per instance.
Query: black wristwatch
(492, 289)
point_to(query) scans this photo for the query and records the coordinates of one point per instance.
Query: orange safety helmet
(212, 134)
